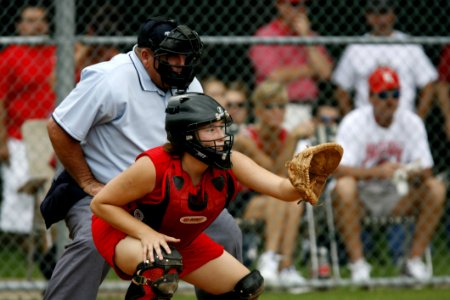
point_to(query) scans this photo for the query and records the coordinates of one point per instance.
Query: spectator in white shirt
(358, 61)
(386, 170)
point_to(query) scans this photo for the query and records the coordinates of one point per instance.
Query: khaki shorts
(379, 198)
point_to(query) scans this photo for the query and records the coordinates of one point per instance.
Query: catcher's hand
(308, 170)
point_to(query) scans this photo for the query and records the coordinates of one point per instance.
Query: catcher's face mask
(212, 143)
(199, 125)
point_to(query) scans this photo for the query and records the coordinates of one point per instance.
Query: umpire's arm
(69, 152)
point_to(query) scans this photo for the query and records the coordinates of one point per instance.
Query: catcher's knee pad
(156, 280)
(248, 288)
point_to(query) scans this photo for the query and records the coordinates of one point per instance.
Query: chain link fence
(42, 56)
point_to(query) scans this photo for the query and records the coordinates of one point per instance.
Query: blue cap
(153, 31)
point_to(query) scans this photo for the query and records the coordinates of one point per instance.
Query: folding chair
(39, 152)
(334, 258)
(368, 221)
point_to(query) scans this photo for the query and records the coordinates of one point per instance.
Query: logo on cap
(387, 77)
(382, 79)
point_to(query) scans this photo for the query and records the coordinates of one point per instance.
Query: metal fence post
(65, 70)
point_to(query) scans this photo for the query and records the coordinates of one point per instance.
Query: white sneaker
(360, 271)
(291, 277)
(268, 267)
(415, 268)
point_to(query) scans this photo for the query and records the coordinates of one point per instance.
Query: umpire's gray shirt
(116, 112)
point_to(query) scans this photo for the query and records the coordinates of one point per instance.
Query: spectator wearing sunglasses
(270, 143)
(386, 170)
(300, 67)
(237, 104)
(358, 61)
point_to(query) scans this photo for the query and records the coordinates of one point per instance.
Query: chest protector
(180, 209)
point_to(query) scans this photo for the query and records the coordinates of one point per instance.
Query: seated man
(379, 141)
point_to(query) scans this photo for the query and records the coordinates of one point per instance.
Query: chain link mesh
(41, 70)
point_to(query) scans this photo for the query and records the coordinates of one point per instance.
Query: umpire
(114, 113)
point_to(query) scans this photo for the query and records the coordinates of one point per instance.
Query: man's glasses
(235, 105)
(329, 119)
(384, 95)
(270, 106)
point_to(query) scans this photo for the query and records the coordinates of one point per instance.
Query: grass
(378, 294)
(347, 294)
(14, 266)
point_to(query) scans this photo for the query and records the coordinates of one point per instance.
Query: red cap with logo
(383, 79)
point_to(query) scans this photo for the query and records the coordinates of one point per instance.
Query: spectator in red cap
(386, 170)
(298, 66)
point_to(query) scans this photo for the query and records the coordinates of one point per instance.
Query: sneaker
(414, 267)
(291, 277)
(268, 267)
(360, 271)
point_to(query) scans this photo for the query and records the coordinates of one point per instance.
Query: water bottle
(324, 263)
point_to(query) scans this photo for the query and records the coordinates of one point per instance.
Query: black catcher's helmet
(166, 37)
(185, 114)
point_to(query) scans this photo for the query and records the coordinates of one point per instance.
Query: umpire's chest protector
(178, 208)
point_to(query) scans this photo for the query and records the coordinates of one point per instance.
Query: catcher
(148, 221)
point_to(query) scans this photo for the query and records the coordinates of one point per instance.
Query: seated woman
(267, 143)
(169, 196)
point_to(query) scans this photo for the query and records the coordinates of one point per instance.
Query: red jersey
(26, 84)
(267, 58)
(176, 207)
(282, 136)
(444, 65)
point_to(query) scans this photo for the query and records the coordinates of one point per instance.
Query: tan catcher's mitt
(308, 170)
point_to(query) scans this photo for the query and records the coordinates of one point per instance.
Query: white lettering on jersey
(193, 219)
